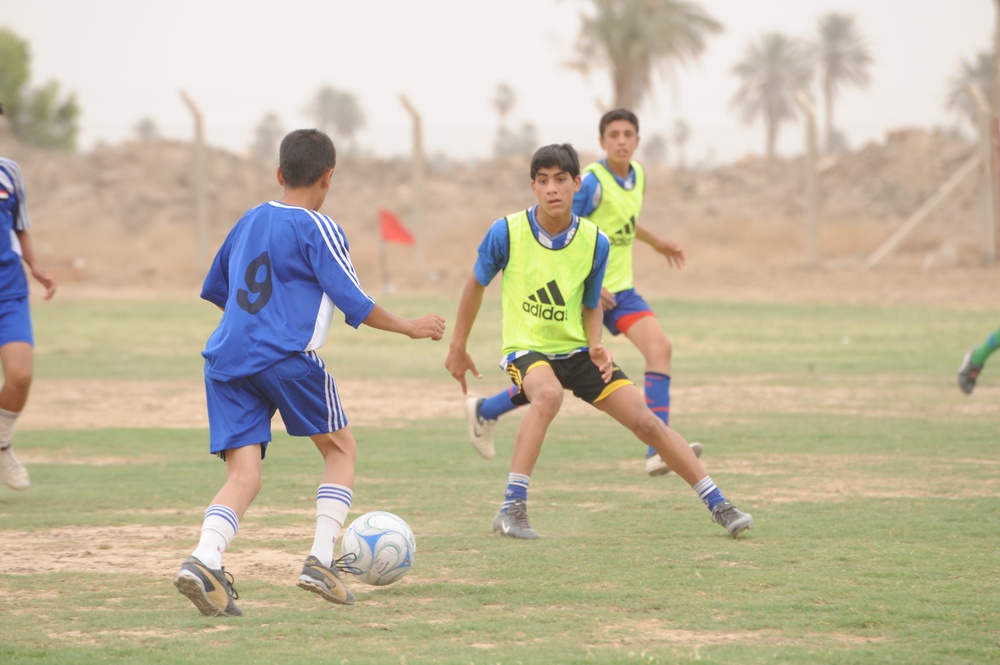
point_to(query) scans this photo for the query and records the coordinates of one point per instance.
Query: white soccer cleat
(480, 430)
(655, 466)
(14, 475)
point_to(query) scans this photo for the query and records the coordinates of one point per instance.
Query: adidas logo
(623, 237)
(544, 303)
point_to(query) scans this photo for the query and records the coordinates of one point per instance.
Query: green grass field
(873, 482)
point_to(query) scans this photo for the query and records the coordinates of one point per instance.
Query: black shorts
(576, 373)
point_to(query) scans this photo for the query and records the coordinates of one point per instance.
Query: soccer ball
(378, 548)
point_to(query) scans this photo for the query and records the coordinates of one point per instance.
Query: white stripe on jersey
(12, 180)
(322, 327)
(334, 238)
(335, 242)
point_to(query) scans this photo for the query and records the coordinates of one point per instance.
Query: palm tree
(146, 131)
(978, 73)
(682, 134)
(655, 149)
(844, 59)
(772, 72)
(339, 111)
(267, 136)
(504, 101)
(634, 38)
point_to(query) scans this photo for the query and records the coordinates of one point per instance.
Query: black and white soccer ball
(378, 548)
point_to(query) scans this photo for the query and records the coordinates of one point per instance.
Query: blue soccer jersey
(278, 277)
(13, 217)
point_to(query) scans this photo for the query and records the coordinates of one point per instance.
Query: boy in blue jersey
(16, 335)
(610, 195)
(553, 263)
(277, 278)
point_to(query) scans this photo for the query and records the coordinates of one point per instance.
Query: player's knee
(18, 379)
(547, 398)
(661, 352)
(646, 426)
(348, 448)
(248, 480)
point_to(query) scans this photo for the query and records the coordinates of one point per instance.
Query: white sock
(332, 504)
(217, 531)
(8, 421)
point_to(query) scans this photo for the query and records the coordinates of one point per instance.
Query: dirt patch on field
(143, 549)
(92, 403)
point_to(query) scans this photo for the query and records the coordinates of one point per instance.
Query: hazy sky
(239, 60)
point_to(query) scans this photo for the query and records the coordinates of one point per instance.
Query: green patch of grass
(876, 510)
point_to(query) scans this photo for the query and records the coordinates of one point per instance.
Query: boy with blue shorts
(278, 276)
(611, 195)
(553, 263)
(16, 335)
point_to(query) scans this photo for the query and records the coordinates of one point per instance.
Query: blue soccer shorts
(298, 387)
(15, 321)
(629, 308)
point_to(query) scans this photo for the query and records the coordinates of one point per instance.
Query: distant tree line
(632, 40)
(40, 116)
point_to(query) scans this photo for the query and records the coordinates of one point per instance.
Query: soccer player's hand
(601, 356)
(46, 280)
(431, 326)
(458, 363)
(672, 252)
(607, 299)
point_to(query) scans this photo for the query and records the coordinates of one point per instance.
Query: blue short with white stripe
(298, 387)
(15, 321)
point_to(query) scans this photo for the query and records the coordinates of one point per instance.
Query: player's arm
(430, 325)
(593, 310)
(588, 197)
(325, 245)
(491, 259)
(38, 271)
(215, 288)
(458, 361)
(668, 248)
(600, 355)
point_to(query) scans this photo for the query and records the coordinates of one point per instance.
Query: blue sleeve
(493, 252)
(19, 210)
(216, 287)
(330, 257)
(592, 285)
(589, 197)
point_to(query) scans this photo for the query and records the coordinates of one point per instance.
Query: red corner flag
(393, 229)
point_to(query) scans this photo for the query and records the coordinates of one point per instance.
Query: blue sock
(499, 404)
(658, 399)
(517, 488)
(707, 491)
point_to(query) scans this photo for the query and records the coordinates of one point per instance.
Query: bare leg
(340, 452)
(653, 343)
(242, 479)
(545, 394)
(17, 361)
(627, 406)
(18, 368)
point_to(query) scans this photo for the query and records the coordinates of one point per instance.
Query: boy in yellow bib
(553, 264)
(611, 195)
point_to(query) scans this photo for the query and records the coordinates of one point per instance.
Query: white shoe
(13, 472)
(655, 466)
(480, 430)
